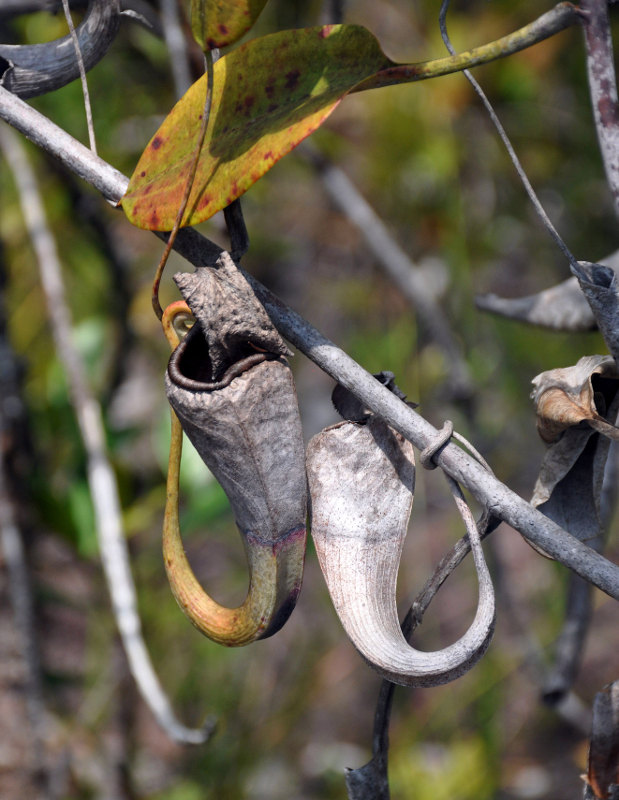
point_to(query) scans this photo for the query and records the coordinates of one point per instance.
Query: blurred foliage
(295, 710)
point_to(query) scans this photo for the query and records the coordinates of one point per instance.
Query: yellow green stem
(557, 19)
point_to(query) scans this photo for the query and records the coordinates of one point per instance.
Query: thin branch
(569, 646)
(569, 707)
(597, 283)
(50, 137)
(204, 120)
(540, 210)
(176, 45)
(237, 231)
(599, 286)
(603, 87)
(501, 501)
(101, 479)
(395, 262)
(84, 82)
(87, 209)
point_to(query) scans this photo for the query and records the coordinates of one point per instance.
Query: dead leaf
(563, 307)
(574, 405)
(566, 397)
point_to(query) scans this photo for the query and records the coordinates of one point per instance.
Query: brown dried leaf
(567, 396)
(574, 405)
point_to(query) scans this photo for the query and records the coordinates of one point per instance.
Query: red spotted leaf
(218, 23)
(268, 95)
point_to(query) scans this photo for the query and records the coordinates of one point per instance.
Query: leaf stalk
(557, 19)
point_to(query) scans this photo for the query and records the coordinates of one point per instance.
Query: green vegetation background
(297, 709)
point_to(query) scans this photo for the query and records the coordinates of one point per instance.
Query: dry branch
(603, 87)
(397, 265)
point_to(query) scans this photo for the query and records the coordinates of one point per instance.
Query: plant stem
(208, 61)
(603, 88)
(557, 19)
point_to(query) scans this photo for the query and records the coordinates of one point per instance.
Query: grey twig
(501, 501)
(394, 261)
(540, 210)
(101, 477)
(237, 231)
(30, 70)
(83, 79)
(603, 87)
(570, 642)
(87, 209)
(177, 46)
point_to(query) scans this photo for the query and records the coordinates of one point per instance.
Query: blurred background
(294, 711)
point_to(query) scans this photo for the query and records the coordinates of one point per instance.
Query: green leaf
(218, 23)
(268, 95)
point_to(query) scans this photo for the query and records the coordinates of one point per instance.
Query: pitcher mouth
(190, 366)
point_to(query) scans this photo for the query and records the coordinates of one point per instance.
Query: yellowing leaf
(268, 95)
(218, 23)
